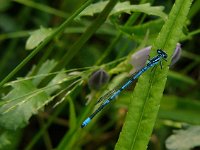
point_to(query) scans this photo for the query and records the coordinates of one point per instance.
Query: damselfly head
(162, 53)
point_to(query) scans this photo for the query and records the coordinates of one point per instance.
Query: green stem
(46, 136)
(12, 45)
(70, 139)
(43, 8)
(82, 40)
(45, 127)
(129, 22)
(47, 40)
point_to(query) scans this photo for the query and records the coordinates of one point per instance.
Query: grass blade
(146, 98)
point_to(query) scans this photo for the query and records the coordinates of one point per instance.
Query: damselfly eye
(162, 53)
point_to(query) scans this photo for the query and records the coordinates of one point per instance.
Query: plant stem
(56, 32)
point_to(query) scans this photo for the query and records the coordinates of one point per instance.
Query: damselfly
(161, 55)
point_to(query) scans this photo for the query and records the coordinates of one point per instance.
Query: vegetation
(59, 57)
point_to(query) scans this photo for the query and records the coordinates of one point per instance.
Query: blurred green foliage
(44, 90)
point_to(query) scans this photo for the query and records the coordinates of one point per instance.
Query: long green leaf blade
(146, 98)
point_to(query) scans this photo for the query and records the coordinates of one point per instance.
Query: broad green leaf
(54, 84)
(37, 37)
(43, 71)
(25, 99)
(145, 8)
(184, 139)
(146, 97)
(124, 7)
(18, 109)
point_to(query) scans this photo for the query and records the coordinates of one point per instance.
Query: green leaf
(124, 7)
(37, 37)
(184, 139)
(17, 108)
(9, 140)
(146, 97)
(43, 71)
(55, 32)
(145, 8)
(194, 9)
(25, 99)
(138, 32)
(4, 140)
(73, 120)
